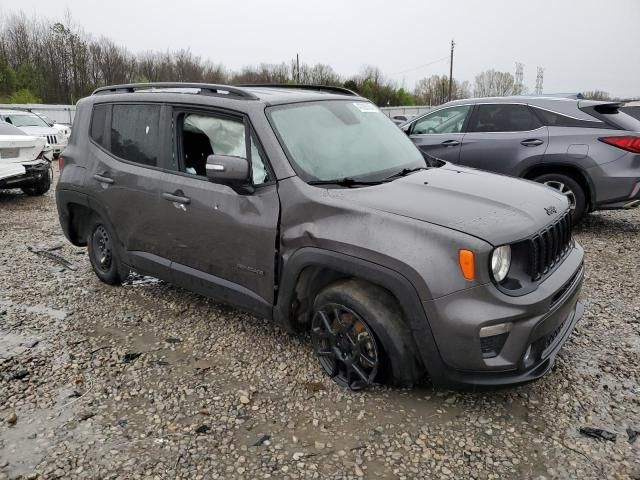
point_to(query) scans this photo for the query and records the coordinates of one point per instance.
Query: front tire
(41, 187)
(103, 254)
(360, 337)
(571, 189)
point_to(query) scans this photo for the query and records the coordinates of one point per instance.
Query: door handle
(103, 179)
(450, 143)
(176, 198)
(532, 142)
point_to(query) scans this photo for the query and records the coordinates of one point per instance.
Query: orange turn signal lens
(467, 261)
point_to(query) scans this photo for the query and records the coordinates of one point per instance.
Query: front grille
(549, 246)
(52, 140)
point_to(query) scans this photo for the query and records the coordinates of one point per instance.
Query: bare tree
(434, 90)
(597, 95)
(491, 83)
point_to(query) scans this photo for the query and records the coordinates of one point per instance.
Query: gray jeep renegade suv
(308, 206)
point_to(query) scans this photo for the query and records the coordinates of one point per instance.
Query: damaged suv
(308, 206)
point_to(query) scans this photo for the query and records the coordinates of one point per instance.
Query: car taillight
(627, 142)
(60, 163)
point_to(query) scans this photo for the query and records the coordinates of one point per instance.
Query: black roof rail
(326, 88)
(207, 88)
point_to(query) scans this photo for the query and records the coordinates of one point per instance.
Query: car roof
(7, 111)
(529, 99)
(268, 94)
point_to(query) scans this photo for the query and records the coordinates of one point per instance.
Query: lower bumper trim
(464, 380)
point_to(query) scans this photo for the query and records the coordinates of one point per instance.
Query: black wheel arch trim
(399, 286)
(64, 198)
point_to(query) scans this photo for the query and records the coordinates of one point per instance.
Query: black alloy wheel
(345, 345)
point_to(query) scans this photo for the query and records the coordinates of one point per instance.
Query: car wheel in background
(569, 188)
(360, 337)
(103, 254)
(41, 187)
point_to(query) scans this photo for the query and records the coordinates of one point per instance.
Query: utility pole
(297, 68)
(453, 44)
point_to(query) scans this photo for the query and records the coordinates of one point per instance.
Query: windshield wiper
(404, 172)
(344, 182)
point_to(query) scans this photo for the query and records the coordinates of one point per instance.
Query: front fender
(402, 289)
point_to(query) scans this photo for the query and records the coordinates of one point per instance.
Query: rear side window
(98, 123)
(503, 117)
(553, 119)
(135, 133)
(633, 111)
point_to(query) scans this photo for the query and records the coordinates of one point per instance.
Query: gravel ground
(151, 381)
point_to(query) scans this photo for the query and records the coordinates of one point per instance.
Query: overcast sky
(582, 45)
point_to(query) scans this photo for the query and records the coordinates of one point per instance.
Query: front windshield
(338, 139)
(22, 120)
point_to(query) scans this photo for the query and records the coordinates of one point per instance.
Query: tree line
(43, 61)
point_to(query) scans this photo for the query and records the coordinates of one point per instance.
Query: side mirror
(407, 128)
(232, 171)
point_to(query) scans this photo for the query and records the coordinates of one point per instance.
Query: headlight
(500, 262)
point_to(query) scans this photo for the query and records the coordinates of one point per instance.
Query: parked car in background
(64, 129)
(305, 205)
(632, 108)
(587, 150)
(32, 124)
(22, 164)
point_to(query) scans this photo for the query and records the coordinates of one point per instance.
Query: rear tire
(571, 189)
(41, 187)
(103, 254)
(359, 326)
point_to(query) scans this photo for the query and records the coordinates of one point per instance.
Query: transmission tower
(539, 80)
(519, 74)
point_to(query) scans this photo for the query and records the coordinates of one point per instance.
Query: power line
(420, 66)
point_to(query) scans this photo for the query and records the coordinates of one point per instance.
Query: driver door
(440, 133)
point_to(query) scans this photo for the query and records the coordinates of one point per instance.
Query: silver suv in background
(589, 151)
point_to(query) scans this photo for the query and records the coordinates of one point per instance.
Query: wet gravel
(151, 381)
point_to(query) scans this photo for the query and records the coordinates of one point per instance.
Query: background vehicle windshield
(330, 140)
(22, 120)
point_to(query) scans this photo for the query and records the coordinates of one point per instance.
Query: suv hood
(39, 131)
(494, 208)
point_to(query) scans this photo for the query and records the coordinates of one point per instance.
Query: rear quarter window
(554, 119)
(98, 124)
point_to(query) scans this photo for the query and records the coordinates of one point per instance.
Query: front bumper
(541, 322)
(34, 173)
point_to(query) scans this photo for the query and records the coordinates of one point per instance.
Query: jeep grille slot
(549, 246)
